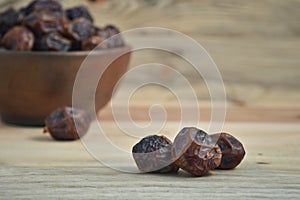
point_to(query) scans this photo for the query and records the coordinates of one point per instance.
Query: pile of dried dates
(193, 150)
(44, 25)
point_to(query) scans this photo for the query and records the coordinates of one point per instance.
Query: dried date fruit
(194, 152)
(43, 5)
(45, 22)
(153, 154)
(67, 123)
(50, 23)
(93, 42)
(100, 32)
(52, 42)
(80, 29)
(112, 36)
(232, 149)
(8, 19)
(78, 12)
(18, 38)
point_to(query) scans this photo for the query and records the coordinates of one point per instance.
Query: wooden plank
(233, 113)
(255, 44)
(36, 167)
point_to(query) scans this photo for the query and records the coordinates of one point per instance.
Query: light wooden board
(241, 113)
(36, 167)
(255, 44)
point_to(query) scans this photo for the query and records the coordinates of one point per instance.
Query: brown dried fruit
(18, 38)
(153, 154)
(49, 23)
(43, 5)
(194, 152)
(52, 42)
(67, 123)
(80, 29)
(100, 32)
(93, 42)
(8, 19)
(45, 22)
(232, 149)
(112, 36)
(79, 11)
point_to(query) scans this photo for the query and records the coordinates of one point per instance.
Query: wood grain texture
(255, 44)
(173, 113)
(33, 166)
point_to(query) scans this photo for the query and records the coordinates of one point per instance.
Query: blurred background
(255, 44)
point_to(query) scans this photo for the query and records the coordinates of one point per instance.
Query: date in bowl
(33, 84)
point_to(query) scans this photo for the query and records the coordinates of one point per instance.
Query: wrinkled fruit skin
(56, 29)
(18, 38)
(93, 42)
(80, 29)
(8, 19)
(61, 124)
(52, 42)
(46, 22)
(79, 11)
(112, 36)
(43, 5)
(194, 152)
(232, 149)
(153, 154)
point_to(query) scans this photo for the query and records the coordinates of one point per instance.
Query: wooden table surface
(255, 45)
(35, 166)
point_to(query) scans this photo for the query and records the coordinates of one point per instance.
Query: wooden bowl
(33, 84)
